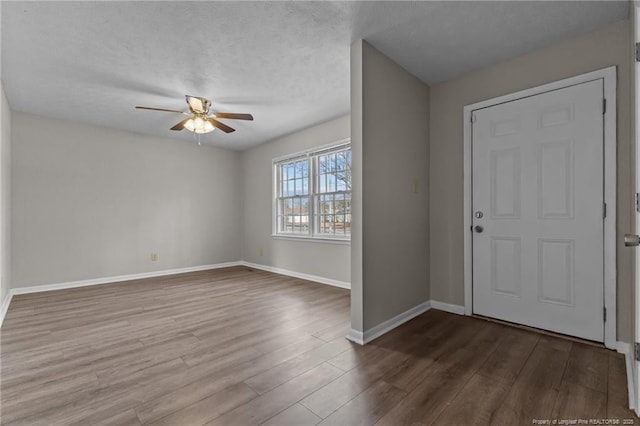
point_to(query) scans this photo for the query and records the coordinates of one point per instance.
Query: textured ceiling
(287, 63)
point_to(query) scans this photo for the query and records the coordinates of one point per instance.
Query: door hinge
(604, 210)
(636, 351)
(604, 313)
(473, 118)
(637, 52)
(638, 202)
(604, 106)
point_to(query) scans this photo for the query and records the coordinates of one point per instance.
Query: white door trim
(609, 77)
(632, 364)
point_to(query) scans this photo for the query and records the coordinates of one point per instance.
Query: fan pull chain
(196, 138)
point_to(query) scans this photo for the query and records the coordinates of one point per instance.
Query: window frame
(311, 155)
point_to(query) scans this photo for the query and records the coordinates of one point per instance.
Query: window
(313, 194)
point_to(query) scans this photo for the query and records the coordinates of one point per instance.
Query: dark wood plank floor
(242, 347)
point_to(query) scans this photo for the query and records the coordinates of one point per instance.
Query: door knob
(479, 229)
(631, 240)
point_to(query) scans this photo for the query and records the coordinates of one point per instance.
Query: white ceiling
(287, 63)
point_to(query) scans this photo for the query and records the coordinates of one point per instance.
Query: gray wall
(5, 195)
(90, 202)
(395, 154)
(606, 47)
(325, 259)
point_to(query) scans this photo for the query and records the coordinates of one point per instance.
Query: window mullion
(311, 195)
(278, 198)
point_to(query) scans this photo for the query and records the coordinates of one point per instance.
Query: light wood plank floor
(242, 347)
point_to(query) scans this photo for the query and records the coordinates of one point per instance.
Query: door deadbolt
(479, 214)
(631, 240)
(478, 229)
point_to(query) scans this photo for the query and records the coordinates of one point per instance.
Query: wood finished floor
(242, 347)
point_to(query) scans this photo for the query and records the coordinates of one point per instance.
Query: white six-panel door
(537, 198)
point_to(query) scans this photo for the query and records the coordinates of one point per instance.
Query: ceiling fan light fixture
(189, 125)
(199, 125)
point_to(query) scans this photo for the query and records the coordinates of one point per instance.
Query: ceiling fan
(201, 119)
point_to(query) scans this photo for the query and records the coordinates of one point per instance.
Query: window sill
(340, 241)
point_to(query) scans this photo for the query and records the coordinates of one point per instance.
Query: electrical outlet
(154, 257)
(261, 251)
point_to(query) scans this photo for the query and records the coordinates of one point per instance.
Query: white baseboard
(131, 277)
(356, 337)
(380, 329)
(118, 278)
(627, 350)
(309, 277)
(447, 307)
(5, 306)
(623, 348)
(385, 327)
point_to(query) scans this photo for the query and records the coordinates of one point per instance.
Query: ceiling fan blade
(221, 126)
(234, 116)
(181, 124)
(161, 109)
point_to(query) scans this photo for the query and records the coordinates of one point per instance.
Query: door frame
(608, 75)
(633, 366)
